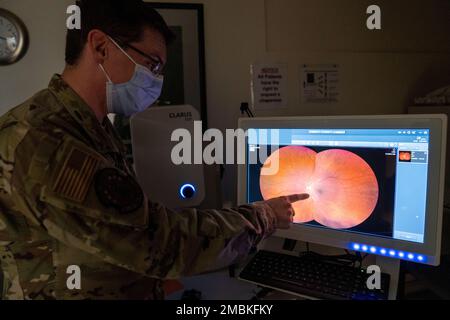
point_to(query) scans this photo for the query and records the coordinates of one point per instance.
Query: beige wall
(45, 20)
(330, 25)
(380, 71)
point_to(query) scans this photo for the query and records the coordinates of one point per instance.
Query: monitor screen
(367, 181)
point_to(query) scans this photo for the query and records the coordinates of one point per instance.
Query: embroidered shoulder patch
(75, 177)
(118, 190)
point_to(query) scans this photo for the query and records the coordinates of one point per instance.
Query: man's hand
(283, 209)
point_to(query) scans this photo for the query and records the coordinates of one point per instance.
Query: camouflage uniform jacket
(68, 197)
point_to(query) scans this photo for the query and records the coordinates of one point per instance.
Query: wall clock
(13, 38)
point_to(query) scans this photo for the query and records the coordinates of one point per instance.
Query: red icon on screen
(405, 156)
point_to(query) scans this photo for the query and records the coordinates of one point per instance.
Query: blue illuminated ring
(183, 189)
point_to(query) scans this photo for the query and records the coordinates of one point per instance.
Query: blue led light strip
(392, 253)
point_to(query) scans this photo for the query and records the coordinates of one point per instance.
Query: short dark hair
(123, 20)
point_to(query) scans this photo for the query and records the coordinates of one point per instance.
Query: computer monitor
(375, 182)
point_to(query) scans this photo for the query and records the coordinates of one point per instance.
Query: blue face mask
(136, 95)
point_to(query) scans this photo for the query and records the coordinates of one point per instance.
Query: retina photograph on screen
(351, 189)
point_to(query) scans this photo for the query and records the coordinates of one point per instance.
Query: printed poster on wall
(320, 83)
(269, 86)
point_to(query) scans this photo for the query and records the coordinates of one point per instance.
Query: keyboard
(312, 277)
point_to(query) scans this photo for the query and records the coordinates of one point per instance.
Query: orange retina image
(343, 188)
(405, 156)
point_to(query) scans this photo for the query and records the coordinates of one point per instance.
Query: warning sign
(269, 86)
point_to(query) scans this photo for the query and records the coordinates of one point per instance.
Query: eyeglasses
(157, 65)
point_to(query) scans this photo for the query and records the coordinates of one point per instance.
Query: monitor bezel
(437, 124)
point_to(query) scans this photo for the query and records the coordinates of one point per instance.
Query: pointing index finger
(297, 197)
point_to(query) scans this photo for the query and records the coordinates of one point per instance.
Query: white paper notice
(320, 83)
(269, 86)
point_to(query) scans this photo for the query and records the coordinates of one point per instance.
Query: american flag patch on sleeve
(75, 177)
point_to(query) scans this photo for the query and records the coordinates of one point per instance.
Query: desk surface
(220, 286)
(217, 286)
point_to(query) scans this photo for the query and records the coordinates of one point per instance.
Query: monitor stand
(387, 265)
(391, 267)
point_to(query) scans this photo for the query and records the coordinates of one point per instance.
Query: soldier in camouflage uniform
(69, 197)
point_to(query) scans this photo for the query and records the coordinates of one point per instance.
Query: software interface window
(368, 181)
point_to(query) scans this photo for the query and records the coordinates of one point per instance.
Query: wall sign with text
(269, 86)
(320, 83)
